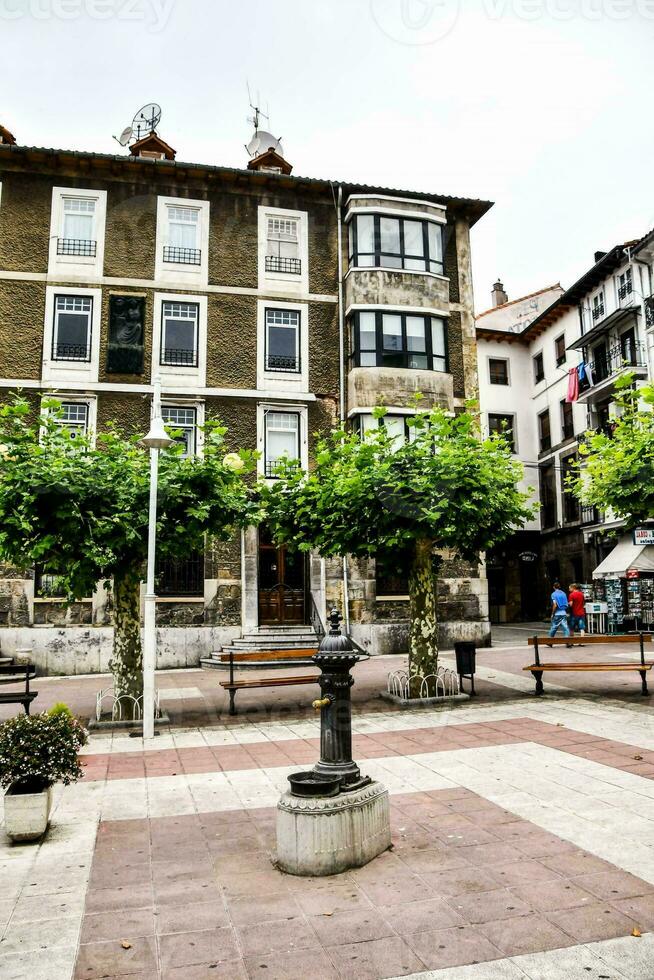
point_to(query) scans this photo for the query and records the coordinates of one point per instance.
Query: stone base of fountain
(325, 835)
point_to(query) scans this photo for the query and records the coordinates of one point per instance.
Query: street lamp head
(157, 437)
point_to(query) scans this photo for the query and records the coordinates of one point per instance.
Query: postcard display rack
(640, 601)
(615, 601)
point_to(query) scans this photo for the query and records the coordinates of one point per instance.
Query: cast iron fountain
(333, 818)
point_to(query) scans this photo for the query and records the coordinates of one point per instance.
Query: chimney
(499, 294)
(6, 136)
(598, 256)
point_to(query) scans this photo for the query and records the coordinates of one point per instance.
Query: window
(283, 246)
(281, 439)
(392, 572)
(182, 421)
(539, 370)
(498, 369)
(598, 305)
(48, 585)
(544, 433)
(559, 350)
(570, 501)
(399, 340)
(179, 334)
(282, 340)
(625, 285)
(396, 426)
(183, 236)
(77, 237)
(183, 577)
(503, 425)
(567, 420)
(547, 483)
(71, 335)
(396, 243)
(73, 416)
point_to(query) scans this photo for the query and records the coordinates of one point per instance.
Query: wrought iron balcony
(76, 246)
(279, 362)
(275, 263)
(598, 311)
(649, 311)
(625, 289)
(179, 357)
(591, 515)
(71, 352)
(182, 256)
(616, 359)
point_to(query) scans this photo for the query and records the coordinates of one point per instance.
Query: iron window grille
(503, 425)
(539, 369)
(591, 515)
(277, 263)
(179, 334)
(282, 341)
(48, 585)
(625, 288)
(412, 244)
(598, 306)
(649, 311)
(544, 431)
(76, 246)
(72, 319)
(498, 370)
(182, 422)
(399, 340)
(182, 256)
(286, 427)
(182, 577)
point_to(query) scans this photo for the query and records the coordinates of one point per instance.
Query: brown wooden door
(281, 584)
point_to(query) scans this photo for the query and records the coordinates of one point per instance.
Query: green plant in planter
(37, 751)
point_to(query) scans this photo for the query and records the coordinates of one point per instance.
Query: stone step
(6, 660)
(245, 645)
(215, 663)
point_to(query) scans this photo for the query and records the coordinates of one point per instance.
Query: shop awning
(626, 555)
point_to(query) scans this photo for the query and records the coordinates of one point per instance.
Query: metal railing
(76, 246)
(617, 358)
(316, 619)
(71, 352)
(182, 256)
(181, 576)
(179, 357)
(649, 311)
(279, 362)
(625, 289)
(275, 263)
(598, 311)
(591, 515)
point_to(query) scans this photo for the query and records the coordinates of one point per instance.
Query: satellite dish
(125, 136)
(263, 141)
(146, 120)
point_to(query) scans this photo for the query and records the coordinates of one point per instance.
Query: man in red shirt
(577, 603)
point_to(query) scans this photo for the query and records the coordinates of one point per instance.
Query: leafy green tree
(80, 511)
(616, 470)
(446, 488)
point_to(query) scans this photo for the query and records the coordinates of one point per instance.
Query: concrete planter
(27, 814)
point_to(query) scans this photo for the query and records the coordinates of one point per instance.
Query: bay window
(71, 334)
(399, 340)
(179, 334)
(386, 242)
(281, 438)
(282, 340)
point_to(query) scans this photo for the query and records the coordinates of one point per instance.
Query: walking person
(559, 611)
(577, 603)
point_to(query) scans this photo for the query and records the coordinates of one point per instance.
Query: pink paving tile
(298, 964)
(615, 884)
(592, 923)
(461, 881)
(487, 906)
(525, 934)
(227, 970)
(189, 948)
(105, 959)
(280, 936)
(390, 957)
(421, 916)
(639, 908)
(117, 924)
(352, 926)
(552, 896)
(191, 917)
(441, 948)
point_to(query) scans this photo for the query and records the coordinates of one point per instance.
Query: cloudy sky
(543, 106)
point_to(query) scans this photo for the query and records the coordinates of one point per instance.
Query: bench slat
(268, 655)
(634, 666)
(17, 697)
(589, 638)
(270, 682)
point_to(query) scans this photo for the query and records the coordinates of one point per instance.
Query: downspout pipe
(341, 373)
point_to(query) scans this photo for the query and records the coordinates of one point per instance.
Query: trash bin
(466, 652)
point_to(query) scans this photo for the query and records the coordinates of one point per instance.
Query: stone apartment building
(604, 322)
(229, 285)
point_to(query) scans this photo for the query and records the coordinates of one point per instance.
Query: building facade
(276, 303)
(586, 336)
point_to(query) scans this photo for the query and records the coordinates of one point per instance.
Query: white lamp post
(156, 439)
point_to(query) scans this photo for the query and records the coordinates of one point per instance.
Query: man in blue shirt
(559, 611)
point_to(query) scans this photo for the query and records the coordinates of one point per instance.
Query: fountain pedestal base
(326, 835)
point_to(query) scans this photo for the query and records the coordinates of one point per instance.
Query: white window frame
(91, 403)
(199, 409)
(291, 408)
(54, 370)
(284, 282)
(195, 377)
(182, 272)
(507, 361)
(87, 266)
(287, 380)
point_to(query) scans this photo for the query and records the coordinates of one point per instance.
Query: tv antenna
(262, 139)
(144, 122)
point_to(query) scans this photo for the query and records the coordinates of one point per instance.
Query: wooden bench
(12, 673)
(270, 657)
(538, 667)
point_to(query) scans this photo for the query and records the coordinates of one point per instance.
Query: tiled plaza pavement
(523, 846)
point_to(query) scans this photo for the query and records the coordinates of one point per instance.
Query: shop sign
(597, 607)
(633, 573)
(528, 556)
(644, 535)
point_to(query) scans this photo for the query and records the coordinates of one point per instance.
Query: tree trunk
(423, 634)
(126, 662)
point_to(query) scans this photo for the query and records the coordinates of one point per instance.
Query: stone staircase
(266, 640)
